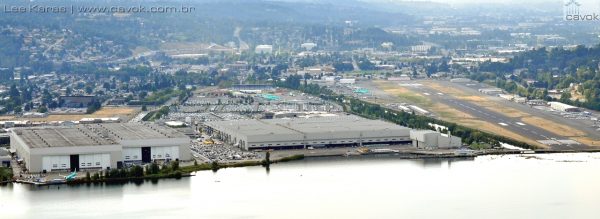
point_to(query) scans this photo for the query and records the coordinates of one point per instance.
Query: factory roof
(304, 125)
(92, 134)
(138, 131)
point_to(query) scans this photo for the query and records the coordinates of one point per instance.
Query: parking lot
(217, 151)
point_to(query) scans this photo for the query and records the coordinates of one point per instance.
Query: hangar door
(164, 153)
(50, 163)
(94, 161)
(132, 154)
(146, 155)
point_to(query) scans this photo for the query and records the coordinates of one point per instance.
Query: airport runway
(512, 124)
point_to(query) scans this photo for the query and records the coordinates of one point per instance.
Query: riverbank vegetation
(152, 171)
(170, 170)
(215, 166)
(5, 174)
(411, 120)
(157, 114)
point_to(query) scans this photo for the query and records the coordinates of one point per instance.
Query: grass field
(5, 118)
(587, 141)
(453, 115)
(445, 89)
(553, 127)
(404, 94)
(446, 111)
(495, 129)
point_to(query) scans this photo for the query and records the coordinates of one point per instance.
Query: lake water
(511, 186)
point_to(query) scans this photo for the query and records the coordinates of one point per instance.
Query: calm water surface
(535, 186)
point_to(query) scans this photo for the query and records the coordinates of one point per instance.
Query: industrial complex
(302, 133)
(97, 146)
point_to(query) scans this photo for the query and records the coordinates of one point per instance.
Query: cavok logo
(581, 10)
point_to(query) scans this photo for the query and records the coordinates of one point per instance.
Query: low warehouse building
(433, 140)
(96, 146)
(308, 132)
(558, 106)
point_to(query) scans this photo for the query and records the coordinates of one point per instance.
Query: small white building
(428, 139)
(563, 107)
(420, 48)
(491, 91)
(460, 80)
(308, 46)
(264, 49)
(347, 81)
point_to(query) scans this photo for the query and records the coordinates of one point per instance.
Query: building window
(135, 156)
(97, 163)
(55, 165)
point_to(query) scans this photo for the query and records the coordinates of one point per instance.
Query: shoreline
(189, 171)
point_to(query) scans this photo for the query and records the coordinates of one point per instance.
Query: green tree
(42, 109)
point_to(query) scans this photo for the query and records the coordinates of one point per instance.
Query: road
(243, 45)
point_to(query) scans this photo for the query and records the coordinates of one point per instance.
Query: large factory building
(300, 133)
(96, 146)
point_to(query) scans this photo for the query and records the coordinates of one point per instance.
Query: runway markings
(503, 124)
(520, 123)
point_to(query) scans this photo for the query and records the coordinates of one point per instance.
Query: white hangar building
(428, 139)
(308, 132)
(97, 146)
